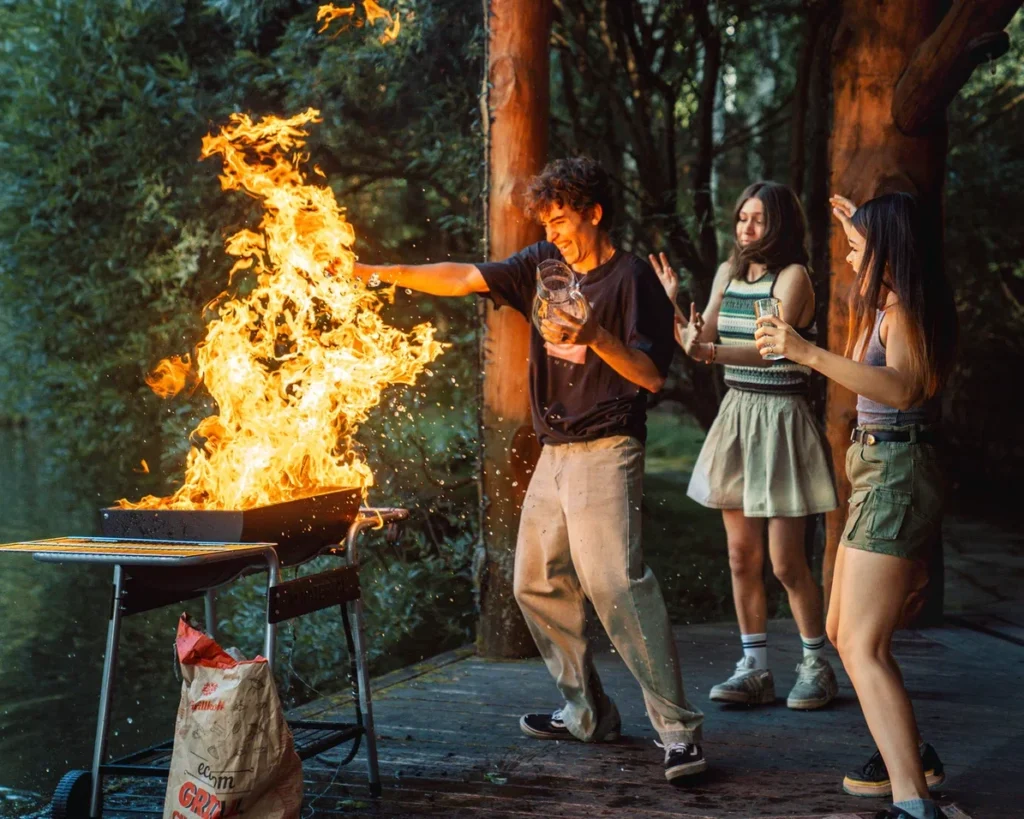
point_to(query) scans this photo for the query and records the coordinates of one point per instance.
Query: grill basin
(301, 528)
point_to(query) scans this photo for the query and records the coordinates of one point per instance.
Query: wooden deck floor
(450, 746)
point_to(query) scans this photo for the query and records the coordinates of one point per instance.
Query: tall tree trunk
(814, 154)
(819, 217)
(816, 12)
(517, 102)
(869, 157)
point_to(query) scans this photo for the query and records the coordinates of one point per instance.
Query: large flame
(296, 364)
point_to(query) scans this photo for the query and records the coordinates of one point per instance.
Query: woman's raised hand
(842, 208)
(666, 275)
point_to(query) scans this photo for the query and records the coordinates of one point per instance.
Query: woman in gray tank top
(899, 356)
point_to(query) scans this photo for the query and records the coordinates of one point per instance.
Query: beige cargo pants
(579, 537)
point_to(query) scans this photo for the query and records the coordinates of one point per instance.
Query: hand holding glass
(769, 307)
(557, 289)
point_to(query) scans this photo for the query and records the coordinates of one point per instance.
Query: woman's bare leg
(789, 562)
(745, 537)
(874, 588)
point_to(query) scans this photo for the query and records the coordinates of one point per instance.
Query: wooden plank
(317, 708)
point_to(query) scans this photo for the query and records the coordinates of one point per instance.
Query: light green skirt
(764, 454)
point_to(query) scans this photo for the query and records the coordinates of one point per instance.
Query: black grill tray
(300, 528)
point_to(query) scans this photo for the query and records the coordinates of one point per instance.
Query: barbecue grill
(160, 557)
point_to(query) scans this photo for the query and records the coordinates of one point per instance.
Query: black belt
(870, 437)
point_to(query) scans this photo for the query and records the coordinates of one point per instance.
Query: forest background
(112, 231)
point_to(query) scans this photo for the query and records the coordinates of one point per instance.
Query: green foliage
(985, 261)
(112, 232)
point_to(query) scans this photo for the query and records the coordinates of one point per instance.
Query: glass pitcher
(557, 286)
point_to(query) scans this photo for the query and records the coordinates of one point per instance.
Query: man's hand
(569, 329)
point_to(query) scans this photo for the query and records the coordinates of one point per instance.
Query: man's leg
(549, 594)
(602, 484)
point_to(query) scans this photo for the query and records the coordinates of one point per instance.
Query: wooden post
(870, 156)
(896, 67)
(517, 113)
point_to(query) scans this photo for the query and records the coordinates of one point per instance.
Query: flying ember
(296, 363)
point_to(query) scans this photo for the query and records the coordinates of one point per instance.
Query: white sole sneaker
(687, 769)
(809, 704)
(612, 736)
(766, 696)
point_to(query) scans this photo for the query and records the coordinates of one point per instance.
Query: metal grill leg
(270, 635)
(106, 695)
(365, 699)
(210, 604)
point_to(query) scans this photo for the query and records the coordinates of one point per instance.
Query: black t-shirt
(575, 396)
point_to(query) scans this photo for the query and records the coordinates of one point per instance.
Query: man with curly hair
(579, 535)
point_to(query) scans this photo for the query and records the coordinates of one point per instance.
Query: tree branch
(970, 33)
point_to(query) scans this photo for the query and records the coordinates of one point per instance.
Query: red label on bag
(204, 804)
(207, 705)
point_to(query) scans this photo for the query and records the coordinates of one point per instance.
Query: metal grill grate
(128, 547)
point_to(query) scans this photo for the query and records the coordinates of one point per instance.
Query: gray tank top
(872, 412)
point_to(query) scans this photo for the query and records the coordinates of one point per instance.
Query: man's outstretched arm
(437, 279)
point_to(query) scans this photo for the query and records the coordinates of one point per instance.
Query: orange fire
(328, 13)
(171, 376)
(296, 363)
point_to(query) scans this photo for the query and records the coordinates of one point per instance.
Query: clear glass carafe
(557, 287)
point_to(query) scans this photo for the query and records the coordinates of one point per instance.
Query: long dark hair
(900, 255)
(785, 230)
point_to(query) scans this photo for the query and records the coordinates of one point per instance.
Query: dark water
(53, 621)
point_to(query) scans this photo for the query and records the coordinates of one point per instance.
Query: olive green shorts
(897, 497)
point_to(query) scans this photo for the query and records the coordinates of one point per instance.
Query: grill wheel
(71, 797)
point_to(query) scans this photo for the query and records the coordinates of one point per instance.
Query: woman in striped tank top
(763, 462)
(898, 357)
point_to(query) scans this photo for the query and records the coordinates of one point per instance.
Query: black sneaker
(873, 779)
(551, 726)
(683, 759)
(899, 813)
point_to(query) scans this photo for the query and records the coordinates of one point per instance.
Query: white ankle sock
(918, 808)
(813, 646)
(756, 646)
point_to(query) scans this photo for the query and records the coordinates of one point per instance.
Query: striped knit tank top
(736, 325)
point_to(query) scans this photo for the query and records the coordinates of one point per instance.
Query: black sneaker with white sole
(683, 759)
(551, 726)
(872, 779)
(899, 813)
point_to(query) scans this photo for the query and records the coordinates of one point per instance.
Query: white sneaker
(815, 685)
(747, 685)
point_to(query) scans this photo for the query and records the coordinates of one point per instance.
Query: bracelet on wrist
(714, 349)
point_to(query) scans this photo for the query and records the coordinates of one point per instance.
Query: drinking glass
(557, 287)
(768, 307)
